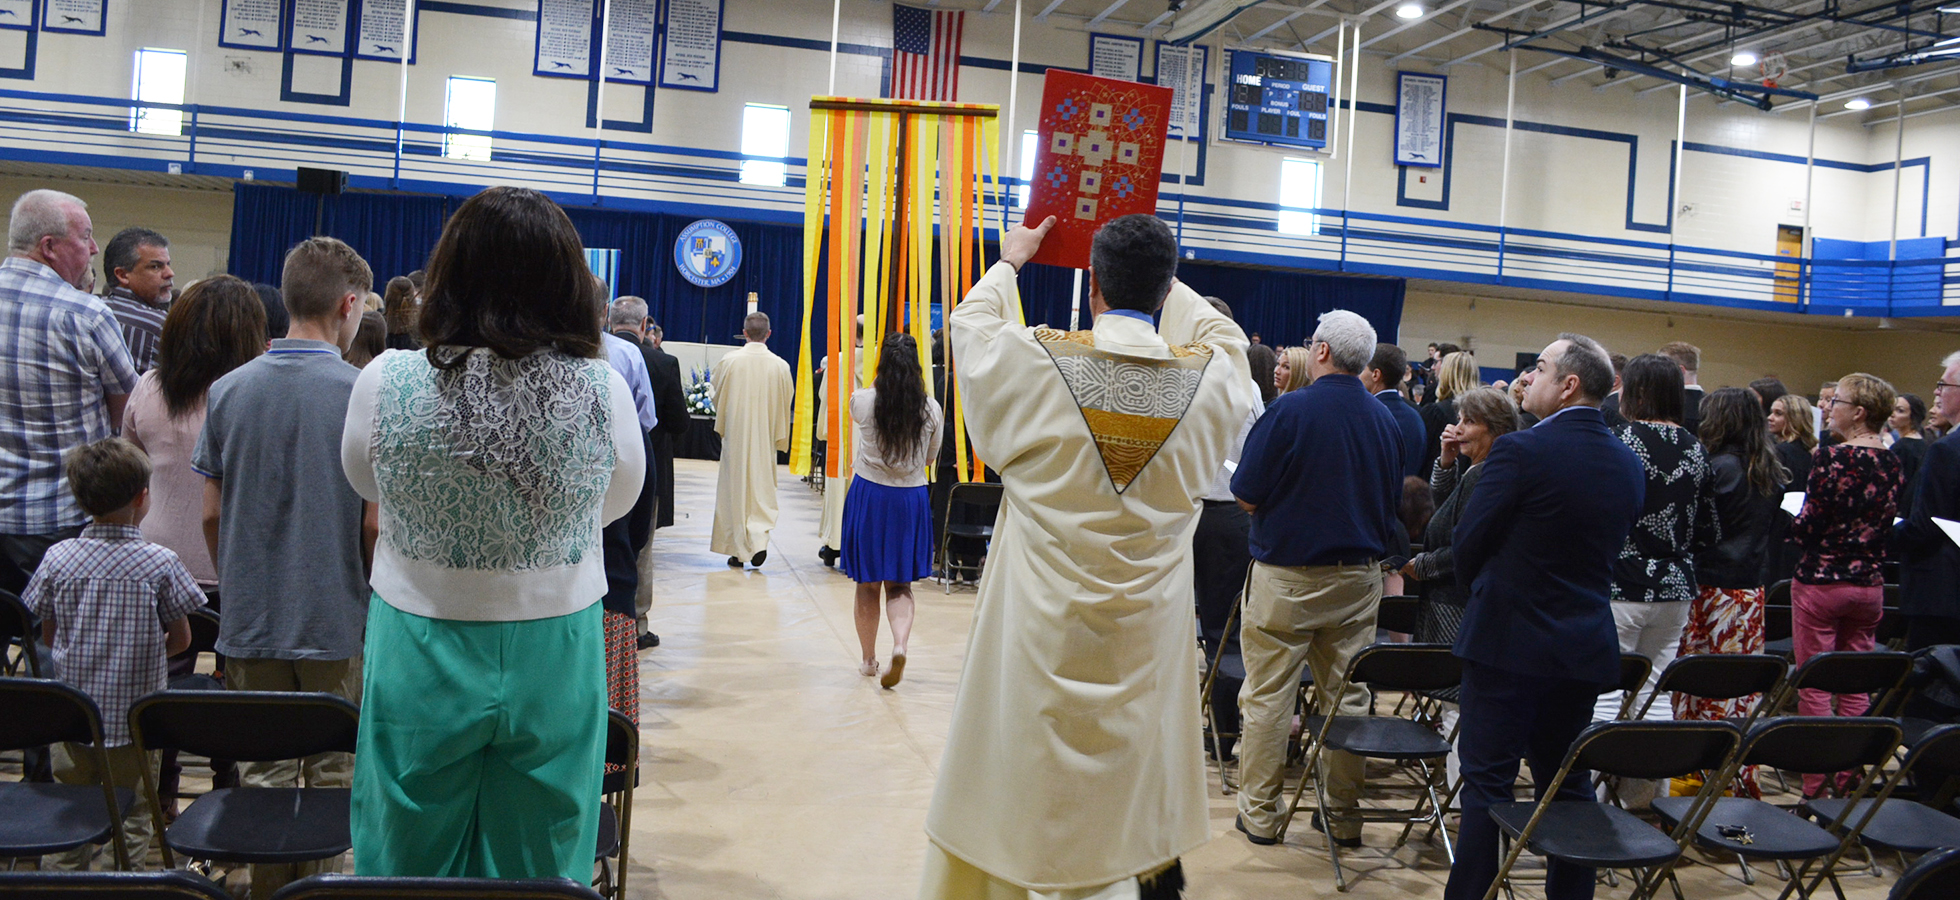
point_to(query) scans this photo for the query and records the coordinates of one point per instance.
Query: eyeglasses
(1837, 402)
(1939, 386)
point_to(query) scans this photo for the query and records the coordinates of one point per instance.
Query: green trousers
(481, 746)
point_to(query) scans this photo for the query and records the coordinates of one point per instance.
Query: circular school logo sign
(708, 253)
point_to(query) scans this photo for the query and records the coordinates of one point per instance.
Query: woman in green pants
(495, 455)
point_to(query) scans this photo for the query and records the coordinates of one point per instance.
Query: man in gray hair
(65, 374)
(627, 320)
(1321, 474)
(753, 393)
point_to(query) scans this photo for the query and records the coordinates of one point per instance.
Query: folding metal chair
(168, 884)
(1881, 673)
(250, 824)
(1902, 826)
(1721, 676)
(616, 813)
(1602, 835)
(969, 493)
(41, 818)
(1936, 876)
(1634, 669)
(1777, 635)
(204, 639)
(1752, 829)
(18, 627)
(368, 887)
(1391, 667)
(1228, 662)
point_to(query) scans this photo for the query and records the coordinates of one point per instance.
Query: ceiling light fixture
(1743, 58)
(1409, 11)
(1857, 103)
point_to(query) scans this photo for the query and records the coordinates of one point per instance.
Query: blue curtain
(1281, 306)
(393, 232)
(396, 232)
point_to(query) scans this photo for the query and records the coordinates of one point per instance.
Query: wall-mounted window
(1028, 145)
(471, 104)
(1299, 196)
(765, 132)
(159, 79)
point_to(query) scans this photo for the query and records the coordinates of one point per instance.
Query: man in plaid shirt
(113, 606)
(64, 375)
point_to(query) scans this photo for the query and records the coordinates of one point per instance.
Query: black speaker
(322, 181)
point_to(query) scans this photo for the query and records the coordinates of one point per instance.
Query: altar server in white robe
(830, 528)
(753, 396)
(1073, 767)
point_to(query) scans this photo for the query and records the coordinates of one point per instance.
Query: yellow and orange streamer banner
(884, 176)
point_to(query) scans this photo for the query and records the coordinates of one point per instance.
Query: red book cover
(1099, 154)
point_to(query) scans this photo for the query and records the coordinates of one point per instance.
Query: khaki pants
(331, 770)
(76, 764)
(643, 595)
(1309, 615)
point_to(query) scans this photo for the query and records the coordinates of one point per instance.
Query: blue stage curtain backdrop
(396, 232)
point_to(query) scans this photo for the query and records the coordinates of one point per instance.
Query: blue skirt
(887, 533)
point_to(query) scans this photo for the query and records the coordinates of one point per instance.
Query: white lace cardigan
(493, 480)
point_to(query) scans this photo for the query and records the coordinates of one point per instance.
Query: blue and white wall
(1590, 169)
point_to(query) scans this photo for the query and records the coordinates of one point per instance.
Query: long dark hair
(215, 327)
(1732, 422)
(509, 275)
(1653, 390)
(899, 409)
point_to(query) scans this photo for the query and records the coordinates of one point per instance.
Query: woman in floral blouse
(1853, 494)
(1654, 578)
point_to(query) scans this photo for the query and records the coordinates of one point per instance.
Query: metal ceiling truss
(1720, 28)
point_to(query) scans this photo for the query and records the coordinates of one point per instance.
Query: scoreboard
(1280, 100)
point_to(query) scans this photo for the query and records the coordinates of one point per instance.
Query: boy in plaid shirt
(113, 607)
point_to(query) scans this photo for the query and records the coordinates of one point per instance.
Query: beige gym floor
(771, 769)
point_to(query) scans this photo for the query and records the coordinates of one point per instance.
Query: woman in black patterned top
(1654, 578)
(1839, 595)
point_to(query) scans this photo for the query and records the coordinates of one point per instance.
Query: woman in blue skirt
(887, 514)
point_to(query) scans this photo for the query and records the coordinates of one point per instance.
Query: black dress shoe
(734, 562)
(828, 556)
(1261, 841)
(1352, 843)
(649, 641)
(757, 559)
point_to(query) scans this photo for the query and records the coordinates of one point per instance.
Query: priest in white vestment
(1073, 767)
(753, 397)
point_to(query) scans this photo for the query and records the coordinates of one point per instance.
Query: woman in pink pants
(1854, 489)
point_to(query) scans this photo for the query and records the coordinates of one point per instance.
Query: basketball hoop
(1773, 67)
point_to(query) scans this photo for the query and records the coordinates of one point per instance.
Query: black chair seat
(608, 833)
(196, 681)
(38, 818)
(970, 531)
(1900, 825)
(1775, 833)
(1589, 834)
(168, 884)
(1231, 666)
(1784, 647)
(264, 825)
(1380, 737)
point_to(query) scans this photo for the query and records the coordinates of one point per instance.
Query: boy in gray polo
(289, 534)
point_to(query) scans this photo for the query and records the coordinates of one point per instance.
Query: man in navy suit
(1383, 378)
(1536, 545)
(1930, 578)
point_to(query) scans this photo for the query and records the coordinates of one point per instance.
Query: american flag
(925, 53)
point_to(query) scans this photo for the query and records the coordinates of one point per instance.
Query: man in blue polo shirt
(1321, 474)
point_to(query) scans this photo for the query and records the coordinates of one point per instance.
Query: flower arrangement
(700, 394)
